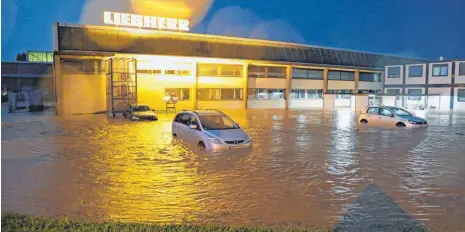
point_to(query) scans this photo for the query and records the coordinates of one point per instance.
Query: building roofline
(222, 37)
(25, 62)
(308, 65)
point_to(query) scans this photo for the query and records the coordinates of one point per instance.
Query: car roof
(203, 112)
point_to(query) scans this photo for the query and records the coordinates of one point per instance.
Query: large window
(40, 57)
(462, 69)
(370, 77)
(177, 72)
(216, 94)
(266, 71)
(414, 94)
(461, 95)
(181, 94)
(393, 72)
(306, 94)
(415, 71)
(393, 91)
(340, 76)
(299, 73)
(80, 66)
(341, 93)
(266, 94)
(221, 70)
(440, 70)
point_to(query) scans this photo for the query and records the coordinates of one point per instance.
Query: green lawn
(21, 222)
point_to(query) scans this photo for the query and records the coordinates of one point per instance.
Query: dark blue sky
(415, 28)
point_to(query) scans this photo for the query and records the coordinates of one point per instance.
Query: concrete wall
(266, 104)
(459, 79)
(307, 84)
(415, 80)
(82, 94)
(220, 82)
(440, 102)
(440, 80)
(328, 101)
(394, 81)
(343, 103)
(267, 83)
(305, 103)
(370, 85)
(341, 84)
(409, 103)
(220, 104)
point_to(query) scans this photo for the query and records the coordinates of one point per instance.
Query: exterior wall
(440, 80)
(394, 81)
(220, 82)
(409, 103)
(151, 90)
(267, 83)
(442, 101)
(305, 103)
(370, 85)
(341, 85)
(82, 94)
(266, 104)
(415, 80)
(220, 104)
(458, 106)
(459, 79)
(307, 84)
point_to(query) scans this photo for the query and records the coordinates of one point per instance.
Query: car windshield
(217, 122)
(140, 108)
(401, 112)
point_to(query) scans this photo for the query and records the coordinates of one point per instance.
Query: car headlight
(412, 122)
(214, 140)
(247, 139)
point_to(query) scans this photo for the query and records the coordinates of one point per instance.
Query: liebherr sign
(141, 21)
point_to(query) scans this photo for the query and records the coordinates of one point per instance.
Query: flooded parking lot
(306, 168)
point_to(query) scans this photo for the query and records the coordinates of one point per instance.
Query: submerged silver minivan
(209, 130)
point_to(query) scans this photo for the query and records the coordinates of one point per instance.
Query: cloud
(236, 21)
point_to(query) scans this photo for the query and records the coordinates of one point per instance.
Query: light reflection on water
(305, 167)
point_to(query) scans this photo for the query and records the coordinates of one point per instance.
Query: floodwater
(305, 168)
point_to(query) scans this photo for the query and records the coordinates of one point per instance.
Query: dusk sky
(414, 28)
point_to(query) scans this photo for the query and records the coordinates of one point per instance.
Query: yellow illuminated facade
(203, 71)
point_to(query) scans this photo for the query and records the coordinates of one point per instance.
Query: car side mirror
(237, 124)
(193, 126)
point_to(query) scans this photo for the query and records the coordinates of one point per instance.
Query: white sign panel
(141, 21)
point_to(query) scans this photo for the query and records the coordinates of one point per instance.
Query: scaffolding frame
(121, 83)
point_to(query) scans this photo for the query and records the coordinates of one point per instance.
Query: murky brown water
(306, 168)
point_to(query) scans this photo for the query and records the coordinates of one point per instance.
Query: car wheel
(400, 124)
(155, 119)
(364, 121)
(201, 146)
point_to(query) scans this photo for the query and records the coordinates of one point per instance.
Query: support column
(57, 84)
(325, 80)
(196, 86)
(288, 85)
(245, 84)
(356, 80)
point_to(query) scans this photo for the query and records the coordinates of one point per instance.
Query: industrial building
(104, 68)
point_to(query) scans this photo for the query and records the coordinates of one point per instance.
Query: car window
(141, 108)
(193, 120)
(176, 119)
(373, 110)
(402, 112)
(386, 112)
(185, 119)
(217, 122)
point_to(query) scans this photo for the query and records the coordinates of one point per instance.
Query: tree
(21, 56)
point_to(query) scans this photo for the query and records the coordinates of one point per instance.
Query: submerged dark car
(140, 112)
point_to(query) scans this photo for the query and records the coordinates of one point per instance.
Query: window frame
(461, 68)
(441, 67)
(460, 96)
(394, 75)
(415, 66)
(180, 90)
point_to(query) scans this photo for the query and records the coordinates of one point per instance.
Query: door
(386, 117)
(183, 126)
(193, 136)
(372, 115)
